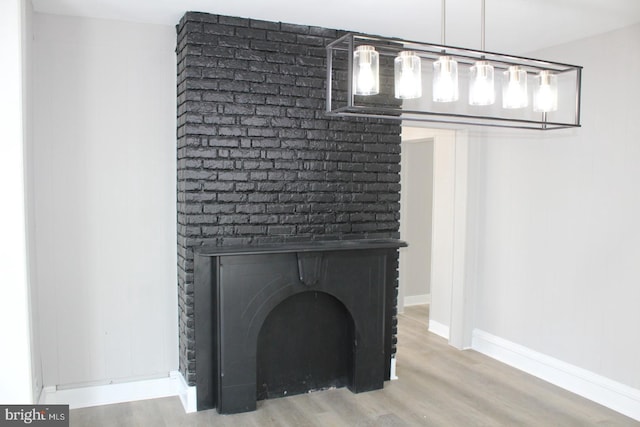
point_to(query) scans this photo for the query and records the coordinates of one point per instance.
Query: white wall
(442, 237)
(15, 334)
(104, 192)
(559, 222)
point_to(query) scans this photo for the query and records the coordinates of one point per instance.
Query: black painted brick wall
(258, 159)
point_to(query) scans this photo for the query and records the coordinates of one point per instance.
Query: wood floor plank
(437, 386)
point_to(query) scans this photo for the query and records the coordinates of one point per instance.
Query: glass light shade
(481, 85)
(545, 95)
(514, 88)
(366, 80)
(445, 80)
(408, 75)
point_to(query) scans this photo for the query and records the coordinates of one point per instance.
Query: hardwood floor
(437, 386)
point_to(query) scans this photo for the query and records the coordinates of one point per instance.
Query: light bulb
(445, 80)
(408, 75)
(365, 71)
(514, 88)
(365, 80)
(545, 96)
(481, 85)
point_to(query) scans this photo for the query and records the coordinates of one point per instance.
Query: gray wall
(103, 163)
(558, 264)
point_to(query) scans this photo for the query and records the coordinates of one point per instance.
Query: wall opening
(446, 222)
(416, 220)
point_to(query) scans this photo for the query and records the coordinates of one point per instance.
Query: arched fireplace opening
(305, 343)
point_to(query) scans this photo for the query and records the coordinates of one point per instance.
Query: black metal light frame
(342, 49)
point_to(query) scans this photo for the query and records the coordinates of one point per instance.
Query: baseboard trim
(612, 394)
(392, 374)
(439, 329)
(417, 300)
(187, 394)
(82, 397)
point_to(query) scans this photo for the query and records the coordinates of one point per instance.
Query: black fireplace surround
(237, 291)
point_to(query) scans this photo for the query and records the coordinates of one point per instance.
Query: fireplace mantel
(236, 287)
(312, 246)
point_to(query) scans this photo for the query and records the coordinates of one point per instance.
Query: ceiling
(513, 26)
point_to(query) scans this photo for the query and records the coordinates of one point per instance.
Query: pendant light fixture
(366, 78)
(445, 70)
(454, 69)
(481, 84)
(545, 96)
(514, 88)
(445, 79)
(408, 75)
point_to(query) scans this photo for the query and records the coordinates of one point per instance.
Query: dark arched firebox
(314, 354)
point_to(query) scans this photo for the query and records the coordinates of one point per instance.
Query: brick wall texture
(258, 159)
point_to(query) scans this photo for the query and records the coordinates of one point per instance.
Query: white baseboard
(612, 394)
(439, 329)
(392, 374)
(417, 300)
(82, 397)
(187, 394)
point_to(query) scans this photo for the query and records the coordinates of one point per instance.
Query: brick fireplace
(259, 162)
